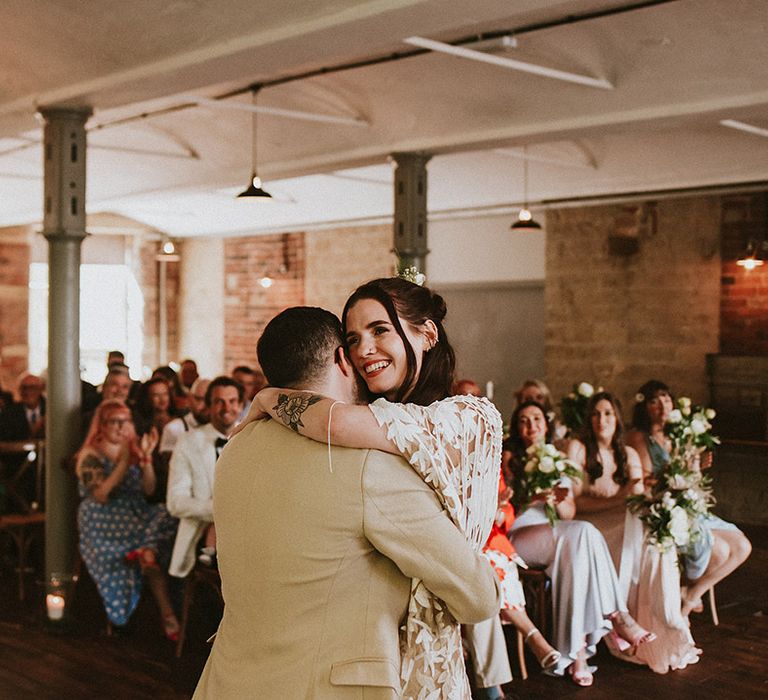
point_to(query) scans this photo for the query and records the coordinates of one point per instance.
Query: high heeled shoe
(628, 635)
(550, 658)
(171, 627)
(583, 678)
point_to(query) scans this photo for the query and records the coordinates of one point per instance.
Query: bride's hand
(255, 412)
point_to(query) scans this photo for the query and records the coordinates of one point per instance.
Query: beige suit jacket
(316, 566)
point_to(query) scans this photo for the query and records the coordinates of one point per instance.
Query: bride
(397, 344)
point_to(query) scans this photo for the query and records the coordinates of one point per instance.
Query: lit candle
(55, 605)
(489, 390)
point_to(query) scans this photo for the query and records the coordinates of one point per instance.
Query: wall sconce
(751, 258)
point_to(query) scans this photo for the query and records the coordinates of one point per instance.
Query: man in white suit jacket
(316, 557)
(190, 476)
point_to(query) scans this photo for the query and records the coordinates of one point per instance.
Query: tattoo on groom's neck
(290, 407)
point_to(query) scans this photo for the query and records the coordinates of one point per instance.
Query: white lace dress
(455, 445)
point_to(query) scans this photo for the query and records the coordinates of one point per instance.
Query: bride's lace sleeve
(455, 445)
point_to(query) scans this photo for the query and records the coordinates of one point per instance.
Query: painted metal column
(64, 143)
(410, 232)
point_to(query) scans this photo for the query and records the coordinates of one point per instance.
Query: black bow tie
(220, 442)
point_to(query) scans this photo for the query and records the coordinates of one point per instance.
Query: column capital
(77, 114)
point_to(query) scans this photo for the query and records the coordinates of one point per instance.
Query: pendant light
(750, 260)
(254, 187)
(525, 220)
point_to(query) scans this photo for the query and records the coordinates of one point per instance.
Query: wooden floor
(82, 662)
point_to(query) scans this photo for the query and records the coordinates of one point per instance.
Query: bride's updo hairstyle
(416, 305)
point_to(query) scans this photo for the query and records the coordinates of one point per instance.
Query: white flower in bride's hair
(412, 274)
(585, 389)
(675, 416)
(678, 526)
(547, 465)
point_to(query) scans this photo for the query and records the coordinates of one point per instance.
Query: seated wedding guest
(178, 395)
(154, 409)
(538, 391)
(188, 374)
(25, 420)
(117, 385)
(190, 480)
(122, 537)
(198, 415)
(587, 600)
(467, 387)
(253, 381)
(721, 547)
(612, 472)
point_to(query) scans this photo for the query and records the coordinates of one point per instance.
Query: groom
(316, 555)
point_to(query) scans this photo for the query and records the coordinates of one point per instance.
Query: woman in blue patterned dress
(122, 537)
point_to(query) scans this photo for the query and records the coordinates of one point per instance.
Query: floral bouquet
(574, 406)
(544, 469)
(672, 507)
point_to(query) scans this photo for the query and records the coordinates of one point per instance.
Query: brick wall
(247, 305)
(633, 293)
(14, 305)
(744, 303)
(339, 260)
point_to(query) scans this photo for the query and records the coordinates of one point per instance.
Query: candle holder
(58, 593)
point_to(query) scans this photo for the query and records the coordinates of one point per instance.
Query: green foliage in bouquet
(672, 506)
(573, 407)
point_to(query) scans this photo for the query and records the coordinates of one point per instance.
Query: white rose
(585, 389)
(698, 427)
(551, 450)
(546, 465)
(710, 413)
(675, 416)
(678, 482)
(668, 501)
(685, 410)
(678, 526)
(684, 402)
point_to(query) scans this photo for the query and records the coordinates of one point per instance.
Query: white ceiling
(678, 68)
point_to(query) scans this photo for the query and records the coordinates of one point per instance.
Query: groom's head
(302, 347)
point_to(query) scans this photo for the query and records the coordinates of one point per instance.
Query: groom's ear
(340, 358)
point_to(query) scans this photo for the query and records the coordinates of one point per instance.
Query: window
(111, 317)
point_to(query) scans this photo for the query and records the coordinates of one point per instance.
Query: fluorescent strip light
(508, 63)
(276, 111)
(743, 126)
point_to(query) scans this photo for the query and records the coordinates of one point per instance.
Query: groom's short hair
(298, 345)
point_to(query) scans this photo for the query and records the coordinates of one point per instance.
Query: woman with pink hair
(122, 537)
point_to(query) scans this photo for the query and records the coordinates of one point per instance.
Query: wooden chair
(535, 586)
(713, 607)
(22, 528)
(199, 576)
(16, 459)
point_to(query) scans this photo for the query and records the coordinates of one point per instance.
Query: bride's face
(377, 351)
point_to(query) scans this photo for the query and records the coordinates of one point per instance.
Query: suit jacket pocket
(366, 671)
